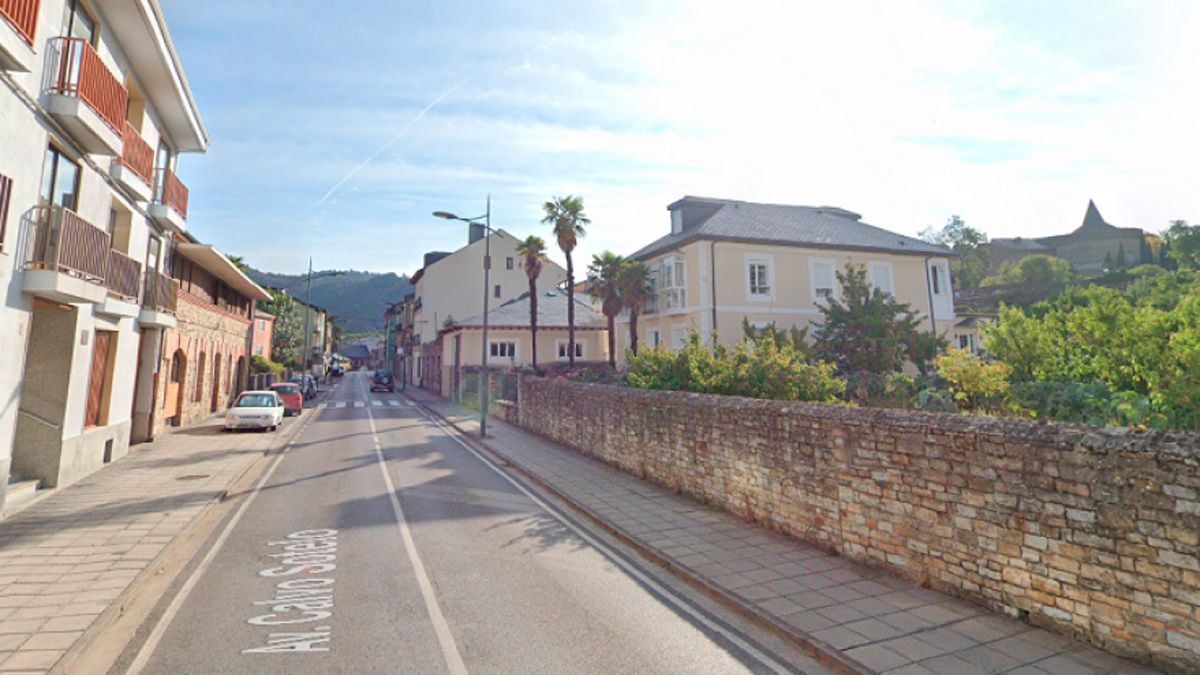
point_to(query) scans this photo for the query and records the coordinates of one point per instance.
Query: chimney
(476, 233)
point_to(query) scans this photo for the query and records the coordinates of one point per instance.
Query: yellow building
(725, 261)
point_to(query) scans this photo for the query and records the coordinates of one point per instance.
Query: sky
(338, 128)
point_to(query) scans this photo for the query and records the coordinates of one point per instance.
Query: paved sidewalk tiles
(880, 621)
(67, 558)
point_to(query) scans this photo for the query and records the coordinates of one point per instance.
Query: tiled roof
(551, 308)
(355, 351)
(816, 226)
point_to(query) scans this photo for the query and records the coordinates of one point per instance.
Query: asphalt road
(380, 543)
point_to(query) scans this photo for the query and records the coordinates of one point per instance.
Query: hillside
(357, 299)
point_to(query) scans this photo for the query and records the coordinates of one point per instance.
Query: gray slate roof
(355, 351)
(816, 226)
(552, 313)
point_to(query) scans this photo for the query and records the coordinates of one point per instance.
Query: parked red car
(293, 400)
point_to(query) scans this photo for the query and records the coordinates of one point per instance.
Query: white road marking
(681, 604)
(394, 403)
(339, 404)
(450, 653)
(377, 403)
(359, 404)
(156, 635)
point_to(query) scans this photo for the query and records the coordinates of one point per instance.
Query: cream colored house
(93, 115)
(725, 261)
(450, 287)
(510, 343)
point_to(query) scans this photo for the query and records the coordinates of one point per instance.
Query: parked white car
(255, 410)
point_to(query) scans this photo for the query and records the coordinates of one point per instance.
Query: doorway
(173, 412)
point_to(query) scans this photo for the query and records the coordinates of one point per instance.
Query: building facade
(263, 332)
(94, 112)
(728, 261)
(450, 288)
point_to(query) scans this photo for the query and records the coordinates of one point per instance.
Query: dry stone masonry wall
(1091, 532)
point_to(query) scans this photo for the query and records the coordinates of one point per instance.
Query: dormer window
(676, 221)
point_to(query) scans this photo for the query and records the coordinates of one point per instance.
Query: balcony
(86, 97)
(16, 39)
(124, 283)
(170, 204)
(134, 169)
(159, 298)
(70, 258)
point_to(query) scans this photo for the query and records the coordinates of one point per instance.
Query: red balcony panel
(82, 73)
(172, 192)
(124, 275)
(23, 15)
(137, 154)
(64, 242)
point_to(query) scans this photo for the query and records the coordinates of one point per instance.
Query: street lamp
(487, 266)
(307, 362)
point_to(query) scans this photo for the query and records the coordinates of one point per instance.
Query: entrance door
(175, 380)
(98, 379)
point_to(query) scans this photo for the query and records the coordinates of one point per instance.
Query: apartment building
(94, 113)
(263, 334)
(450, 287)
(725, 261)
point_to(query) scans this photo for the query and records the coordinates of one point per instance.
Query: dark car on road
(383, 381)
(308, 386)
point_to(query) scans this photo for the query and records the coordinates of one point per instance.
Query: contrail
(395, 139)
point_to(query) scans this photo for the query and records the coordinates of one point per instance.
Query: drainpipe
(712, 277)
(929, 292)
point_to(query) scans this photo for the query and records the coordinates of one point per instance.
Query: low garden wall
(1091, 532)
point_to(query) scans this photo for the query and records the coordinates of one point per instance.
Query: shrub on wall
(974, 383)
(260, 365)
(764, 368)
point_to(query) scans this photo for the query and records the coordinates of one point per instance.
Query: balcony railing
(124, 275)
(23, 15)
(81, 73)
(136, 154)
(171, 192)
(64, 242)
(161, 292)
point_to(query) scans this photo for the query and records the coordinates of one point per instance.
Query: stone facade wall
(204, 329)
(1091, 532)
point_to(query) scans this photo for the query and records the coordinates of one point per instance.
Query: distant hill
(357, 299)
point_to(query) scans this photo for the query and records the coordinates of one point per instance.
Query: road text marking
(303, 599)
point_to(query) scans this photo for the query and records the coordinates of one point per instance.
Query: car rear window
(256, 401)
(288, 389)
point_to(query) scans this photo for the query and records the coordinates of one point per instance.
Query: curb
(117, 607)
(824, 653)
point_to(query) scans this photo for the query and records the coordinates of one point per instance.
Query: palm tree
(533, 249)
(634, 279)
(604, 285)
(565, 217)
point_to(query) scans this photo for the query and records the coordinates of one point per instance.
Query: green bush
(765, 368)
(974, 383)
(260, 365)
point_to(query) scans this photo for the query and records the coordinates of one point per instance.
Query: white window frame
(812, 279)
(885, 265)
(673, 297)
(943, 275)
(768, 261)
(494, 349)
(562, 355)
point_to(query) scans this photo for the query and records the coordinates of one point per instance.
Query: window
(258, 350)
(676, 221)
(503, 350)
(758, 270)
(937, 278)
(821, 274)
(672, 289)
(879, 273)
(655, 338)
(496, 291)
(153, 252)
(77, 23)
(5, 197)
(262, 324)
(679, 334)
(60, 180)
(561, 348)
(508, 263)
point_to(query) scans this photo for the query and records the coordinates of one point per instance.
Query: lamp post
(306, 362)
(487, 266)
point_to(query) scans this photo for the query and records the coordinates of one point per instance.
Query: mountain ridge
(357, 298)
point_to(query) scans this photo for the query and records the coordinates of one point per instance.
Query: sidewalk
(860, 618)
(69, 561)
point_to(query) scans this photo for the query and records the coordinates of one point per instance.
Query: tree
(867, 330)
(1034, 269)
(1182, 243)
(566, 219)
(634, 279)
(533, 250)
(604, 285)
(969, 244)
(239, 262)
(1121, 262)
(287, 338)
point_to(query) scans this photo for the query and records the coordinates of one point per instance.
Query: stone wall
(1091, 532)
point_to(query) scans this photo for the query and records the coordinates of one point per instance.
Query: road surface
(380, 542)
